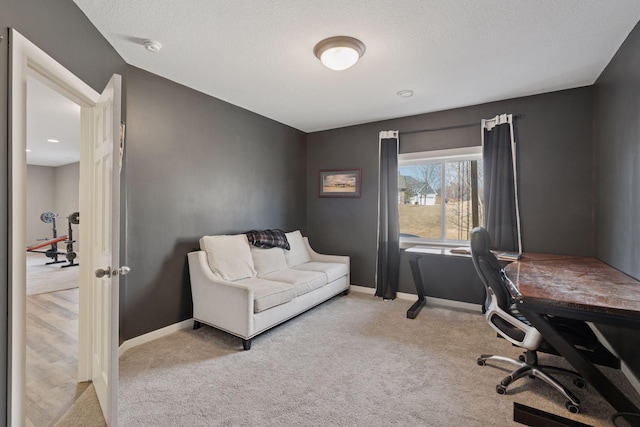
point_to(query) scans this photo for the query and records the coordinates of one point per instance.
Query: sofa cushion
(267, 293)
(266, 261)
(268, 238)
(333, 270)
(298, 253)
(229, 256)
(304, 281)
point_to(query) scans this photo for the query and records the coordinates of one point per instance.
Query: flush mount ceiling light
(152, 46)
(55, 141)
(340, 52)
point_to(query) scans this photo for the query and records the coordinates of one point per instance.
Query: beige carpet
(353, 361)
(43, 278)
(85, 412)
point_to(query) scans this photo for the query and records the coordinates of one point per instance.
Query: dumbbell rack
(74, 218)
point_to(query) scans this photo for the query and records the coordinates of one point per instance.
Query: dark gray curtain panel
(500, 191)
(388, 263)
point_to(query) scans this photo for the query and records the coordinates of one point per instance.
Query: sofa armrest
(315, 256)
(217, 302)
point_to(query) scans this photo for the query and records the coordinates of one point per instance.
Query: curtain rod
(467, 125)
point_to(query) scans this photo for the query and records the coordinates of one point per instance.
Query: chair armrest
(217, 302)
(532, 337)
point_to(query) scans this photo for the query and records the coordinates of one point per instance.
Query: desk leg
(417, 280)
(591, 373)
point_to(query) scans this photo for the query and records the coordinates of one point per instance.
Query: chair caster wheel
(481, 362)
(579, 383)
(521, 358)
(574, 409)
(500, 389)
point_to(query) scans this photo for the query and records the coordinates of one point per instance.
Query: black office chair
(503, 316)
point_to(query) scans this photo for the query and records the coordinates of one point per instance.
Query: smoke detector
(152, 46)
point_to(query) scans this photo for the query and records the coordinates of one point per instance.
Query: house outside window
(440, 195)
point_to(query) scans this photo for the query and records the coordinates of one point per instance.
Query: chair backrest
(501, 295)
(489, 269)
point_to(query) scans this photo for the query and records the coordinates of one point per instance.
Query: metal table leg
(591, 373)
(417, 280)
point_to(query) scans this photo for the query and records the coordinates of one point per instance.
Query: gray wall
(63, 31)
(40, 198)
(67, 201)
(67, 192)
(556, 176)
(51, 189)
(196, 166)
(617, 154)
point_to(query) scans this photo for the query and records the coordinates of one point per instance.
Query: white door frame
(28, 59)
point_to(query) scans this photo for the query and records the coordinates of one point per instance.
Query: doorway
(52, 267)
(28, 60)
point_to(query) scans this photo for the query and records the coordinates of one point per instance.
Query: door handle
(100, 273)
(123, 271)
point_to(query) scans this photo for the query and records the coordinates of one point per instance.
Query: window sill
(434, 245)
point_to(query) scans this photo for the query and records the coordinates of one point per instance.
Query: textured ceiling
(258, 55)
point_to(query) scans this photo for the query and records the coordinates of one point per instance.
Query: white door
(105, 242)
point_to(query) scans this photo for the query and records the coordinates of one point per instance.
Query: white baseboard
(154, 335)
(362, 289)
(185, 324)
(439, 302)
(629, 375)
(623, 366)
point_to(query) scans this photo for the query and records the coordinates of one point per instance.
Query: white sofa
(245, 290)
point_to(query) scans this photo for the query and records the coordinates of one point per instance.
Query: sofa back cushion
(229, 256)
(298, 253)
(267, 261)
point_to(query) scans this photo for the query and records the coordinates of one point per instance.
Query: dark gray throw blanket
(268, 239)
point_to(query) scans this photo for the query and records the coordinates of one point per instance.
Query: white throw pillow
(267, 261)
(298, 253)
(229, 256)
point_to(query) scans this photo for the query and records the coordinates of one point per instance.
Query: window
(440, 195)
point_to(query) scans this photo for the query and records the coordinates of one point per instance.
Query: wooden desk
(580, 288)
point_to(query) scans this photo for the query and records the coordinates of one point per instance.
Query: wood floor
(51, 356)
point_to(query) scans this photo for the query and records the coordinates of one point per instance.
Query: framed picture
(340, 183)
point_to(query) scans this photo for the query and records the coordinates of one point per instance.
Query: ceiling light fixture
(55, 141)
(152, 46)
(340, 52)
(407, 93)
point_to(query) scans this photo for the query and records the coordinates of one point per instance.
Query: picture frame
(340, 183)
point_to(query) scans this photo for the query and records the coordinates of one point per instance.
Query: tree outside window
(440, 200)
